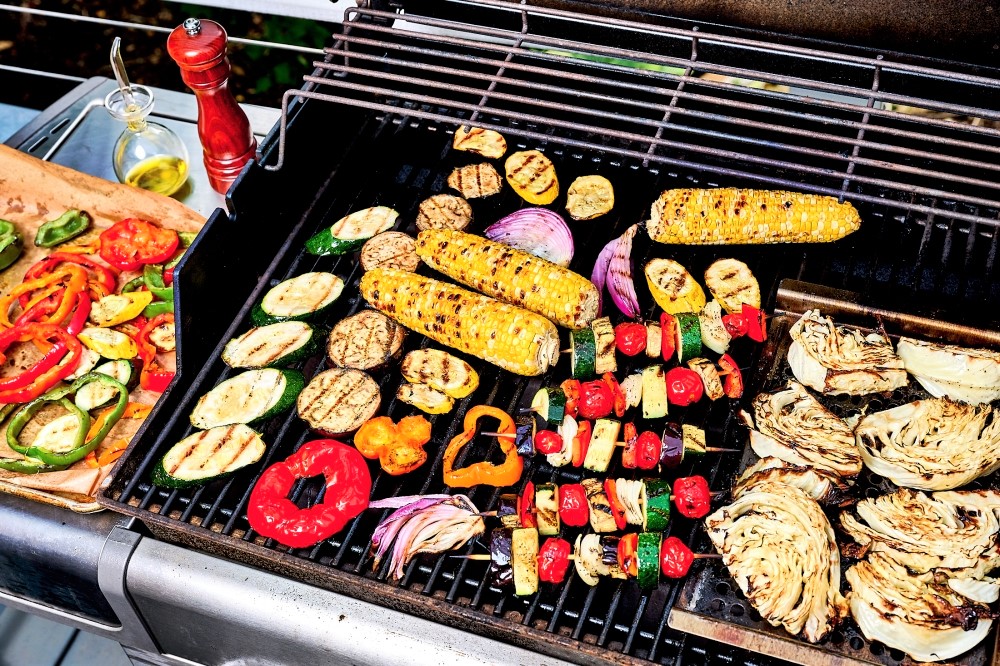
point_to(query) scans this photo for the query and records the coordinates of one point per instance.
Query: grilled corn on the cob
(507, 336)
(734, 216)
(513, 276)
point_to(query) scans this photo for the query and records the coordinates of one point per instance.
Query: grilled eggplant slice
(444, 211)
(338, 401)
(301, 297)
(533, 177)
(351, 231)
(392, 249)
(365, 341)
(249, 397)
(732, 284)
(283, 343)
(440, 370)
(208, 455)
(475, 180)
(425, 398)
(589, 197)
(485, 142)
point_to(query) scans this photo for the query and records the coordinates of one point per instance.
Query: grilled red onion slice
(621, 285)
(537, 231)
(600, 274)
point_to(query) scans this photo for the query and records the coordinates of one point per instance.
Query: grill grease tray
(710, 604)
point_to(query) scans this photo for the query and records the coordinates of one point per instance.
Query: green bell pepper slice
(152, 276)
(28, 466)
(81, 446)
(69, 225)
(11, 244)
(158, 308)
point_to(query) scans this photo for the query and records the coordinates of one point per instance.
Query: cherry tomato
(630, 338)
(574, 510)
(675, 558)
(547, 441)
(131, 243)
(684, 386)
(692, 496)
(736, 324)
(647, 450)
(628, 557)
(596, 400)
(553, 560)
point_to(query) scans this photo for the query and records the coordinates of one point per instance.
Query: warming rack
(848, 123)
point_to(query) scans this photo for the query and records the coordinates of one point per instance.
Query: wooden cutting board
(32, 192)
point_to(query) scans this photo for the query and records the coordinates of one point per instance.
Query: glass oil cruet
(147, 154)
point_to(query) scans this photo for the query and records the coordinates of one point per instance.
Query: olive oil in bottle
(164, 174)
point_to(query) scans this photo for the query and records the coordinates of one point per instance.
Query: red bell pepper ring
(41, 309)
(628, 555)
(692, 496)
(618, 401)
(617, 510)
(553, 560)
(581, 442)
(630, 338)
(668, 336)
(47, 372)
(131, 243)
(153, 377)
(684, 386)
(629, 452)
(574, 510)
(647, 450)
(675, 558)
(526, 506)
(106, 277)
(732, 378)
(756, 323)
(596, 400)
(348, 486)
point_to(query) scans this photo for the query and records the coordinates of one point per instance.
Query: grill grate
(823, 121)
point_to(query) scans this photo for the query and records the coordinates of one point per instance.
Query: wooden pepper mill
(199, 48)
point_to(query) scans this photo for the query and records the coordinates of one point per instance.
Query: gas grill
(652, 103)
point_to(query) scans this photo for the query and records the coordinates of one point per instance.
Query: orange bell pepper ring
(484, 473)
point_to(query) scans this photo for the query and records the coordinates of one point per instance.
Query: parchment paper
(32, 192)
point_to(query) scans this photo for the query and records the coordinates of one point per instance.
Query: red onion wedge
(600, 274)
(538, 231)
(620, 282)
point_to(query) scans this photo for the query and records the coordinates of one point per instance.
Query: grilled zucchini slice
(602, 520)
(547, 509)
(425, 398)
(672, 287)
(732, 284)
(533, 177)
(351, 231)
(604, 342)
(273, 345)
(485, 142)
(589, 197)
(301, 297)
(249, 397)
(440, 370)
(208, 455)
(602, 445)
(95, 394)
(338, 401)
(524, 556)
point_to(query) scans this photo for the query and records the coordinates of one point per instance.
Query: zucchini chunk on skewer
(267, 346)
(249, 397)
(301, 297)
(208, 455)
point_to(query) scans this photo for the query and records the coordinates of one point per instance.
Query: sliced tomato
(131, 243)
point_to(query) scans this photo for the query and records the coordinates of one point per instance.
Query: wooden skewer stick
(485, 557)
(493, 514)
(708, 449)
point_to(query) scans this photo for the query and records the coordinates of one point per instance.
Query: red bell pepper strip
(132, 243)
(574, 510)
(618, 401)
(628, 557)
(732, 378)
(40, 307)
(47, 372)
(668, 336)
(629, 452)
(484, 472)
(617, 510)
(756, 323)
(348, 486)
(684, 386)
(647, 450)
(80, 314)
(526, 506)
(553, 560)
(692, 496)
(630, 338)
(75, 279)
(581, 442)
(571, 389)
(675, 558)
(153, 377)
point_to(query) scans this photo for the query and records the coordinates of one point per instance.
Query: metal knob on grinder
(199, 48)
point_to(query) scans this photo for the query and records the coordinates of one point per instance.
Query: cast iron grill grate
(645, 129)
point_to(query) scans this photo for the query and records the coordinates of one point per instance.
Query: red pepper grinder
(199, 48)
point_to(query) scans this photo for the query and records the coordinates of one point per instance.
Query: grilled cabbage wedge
(782, 552)
(933, 444)
(510, 337)
(440, 370)
(732, 283)
(444, 211)
(208, 455)
(511, 275)
(673, 288)
(589, 196)
(474, 181)
(533, 176)
(795, 427)
(724, 216)
(842, 360)
(914, 613)
(485, 142)
(959, 373)
(821, 485)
